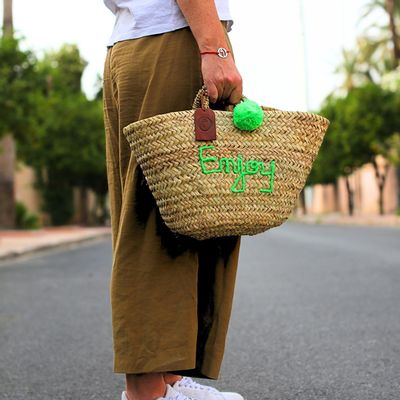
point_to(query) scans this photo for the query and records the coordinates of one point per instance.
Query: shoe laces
(179, 396)
(189, 382)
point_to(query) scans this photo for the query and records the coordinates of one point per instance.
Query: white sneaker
(171, 394)
(192, 389)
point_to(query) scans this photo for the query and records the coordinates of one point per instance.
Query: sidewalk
(360, 220)
(14, 243)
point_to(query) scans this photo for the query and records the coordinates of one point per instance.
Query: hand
(222, 78)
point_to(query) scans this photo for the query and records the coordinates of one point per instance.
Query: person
(171, 295)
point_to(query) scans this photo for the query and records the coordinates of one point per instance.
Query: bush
(25, 219)
(58, 202)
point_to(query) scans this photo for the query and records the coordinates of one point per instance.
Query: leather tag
(204, 122)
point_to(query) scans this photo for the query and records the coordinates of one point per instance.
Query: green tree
(373, 114)
(328, 165)
(7, 144)
(341, 153)
(63, 70)
(19, 89)
(361, 124)
(68, 151)
(73, 148)
(17, 110)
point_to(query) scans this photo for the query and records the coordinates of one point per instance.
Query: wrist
(221, 52)
(212, 43)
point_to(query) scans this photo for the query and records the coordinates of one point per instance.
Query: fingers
(222, 79)
(236, 95)
(212, 91)
(228, 89)
(225, 91)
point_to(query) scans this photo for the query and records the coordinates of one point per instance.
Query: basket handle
(203, 101)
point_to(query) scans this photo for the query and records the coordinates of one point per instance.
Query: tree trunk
(390, 8)
(381, 180)
(8, 26)
(83, 206)
(102, 206)
(7, 197)
(303, 201)
(350, 196)
(7, 149)
(336, 195)
(381, 202)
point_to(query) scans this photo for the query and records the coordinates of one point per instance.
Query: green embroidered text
(239, 167)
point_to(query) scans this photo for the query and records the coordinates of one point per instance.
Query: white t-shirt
(137, 18)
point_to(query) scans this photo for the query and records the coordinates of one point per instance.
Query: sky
(284, 64)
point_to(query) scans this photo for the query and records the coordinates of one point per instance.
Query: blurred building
(86, 210)
(324, 199)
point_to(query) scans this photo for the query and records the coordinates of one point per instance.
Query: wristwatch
(221, 52)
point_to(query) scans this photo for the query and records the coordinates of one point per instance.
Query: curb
(365, 222)
(45, 248)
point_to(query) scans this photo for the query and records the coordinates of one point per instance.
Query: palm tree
(356, 66)
(393, 9)
(390, 34)
(7, 149)
(366, 63)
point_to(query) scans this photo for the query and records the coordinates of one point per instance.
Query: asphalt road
(316, 316)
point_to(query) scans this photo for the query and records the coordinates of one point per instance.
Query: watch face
(222, 52)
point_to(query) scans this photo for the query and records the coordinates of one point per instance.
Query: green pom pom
(247, 115)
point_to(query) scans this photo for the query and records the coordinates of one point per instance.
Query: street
(316, 316)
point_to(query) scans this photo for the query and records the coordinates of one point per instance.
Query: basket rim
(271, 111)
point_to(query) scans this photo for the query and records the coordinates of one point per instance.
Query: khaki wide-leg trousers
(171, 295)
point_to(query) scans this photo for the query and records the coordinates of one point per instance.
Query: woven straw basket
(242, 183)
